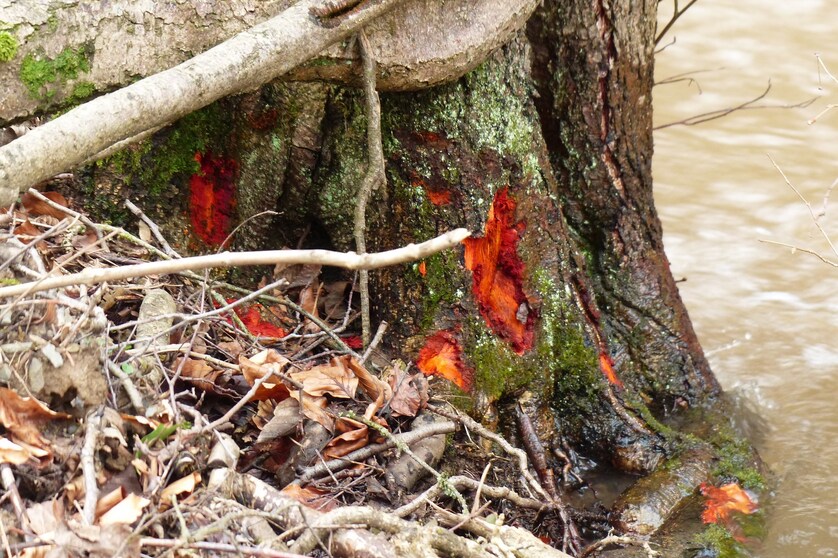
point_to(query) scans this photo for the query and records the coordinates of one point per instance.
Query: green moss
(561, 342)
(736, 460)
(52, 24)
(8, 46)
(81, 91)
(719, 541)
(497, 369)
(437, 284)
(43, 76)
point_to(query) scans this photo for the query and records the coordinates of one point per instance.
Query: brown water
(767, 318)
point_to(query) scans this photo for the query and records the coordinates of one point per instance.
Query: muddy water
(767, 317)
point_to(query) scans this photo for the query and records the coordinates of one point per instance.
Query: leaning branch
(243, 62)
(350, 260)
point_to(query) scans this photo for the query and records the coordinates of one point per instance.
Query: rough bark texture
(593, 67)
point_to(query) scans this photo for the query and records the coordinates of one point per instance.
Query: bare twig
(379, 335)
(720, 113)
(155, 230)
(128, 385)
(7, 477)
(80, 216)
(622, 541)
(675, 15)
(808, 207)
(479, 429)
(359, 455)
(91, 276)
(218, 547)
(88, 464)
(373, 177)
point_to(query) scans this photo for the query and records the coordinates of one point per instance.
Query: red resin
(497, 275)
(442, 355)
(212, 198)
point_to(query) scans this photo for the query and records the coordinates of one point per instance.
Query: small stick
(350, 260)
(382, 327)
(218, 547)
(155, 230)
(88, 464)
(361, 454)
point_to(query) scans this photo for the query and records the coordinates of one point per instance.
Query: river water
(766, 316)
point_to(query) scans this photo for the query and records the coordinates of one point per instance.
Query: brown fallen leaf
(335, 379)
(314, 408)
(409, 392)
(311, 497)
(371, 385)
(68, 538)
(260, 365)
(22, 417)
(16, 454)
(126, 511)
(354, 435)
(184, 485)
(36, 207)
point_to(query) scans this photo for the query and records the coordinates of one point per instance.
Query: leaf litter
(193, 430)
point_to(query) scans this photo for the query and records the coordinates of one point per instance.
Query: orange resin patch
(721, 502)
(497, 275)
(443, 356)
(606, 365)
(212, 198)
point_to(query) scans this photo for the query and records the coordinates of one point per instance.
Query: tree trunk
(561, 306)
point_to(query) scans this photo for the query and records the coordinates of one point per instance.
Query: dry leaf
(128, 510)
(144, 231)
(335, 379)
(22, 416)
(314, 408)
(184, 485)
(374, 387)
(13, 453)
(354, 435)
(311, 497)
(258, 366)
(406, 398)
(109, 500)
(286, 417)
(36, 207)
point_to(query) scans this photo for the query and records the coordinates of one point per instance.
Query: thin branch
(677, 14)
(217, 547)
(808, 206)
(92, 276)
(359, 455)
(794, 248)
(747, 105)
